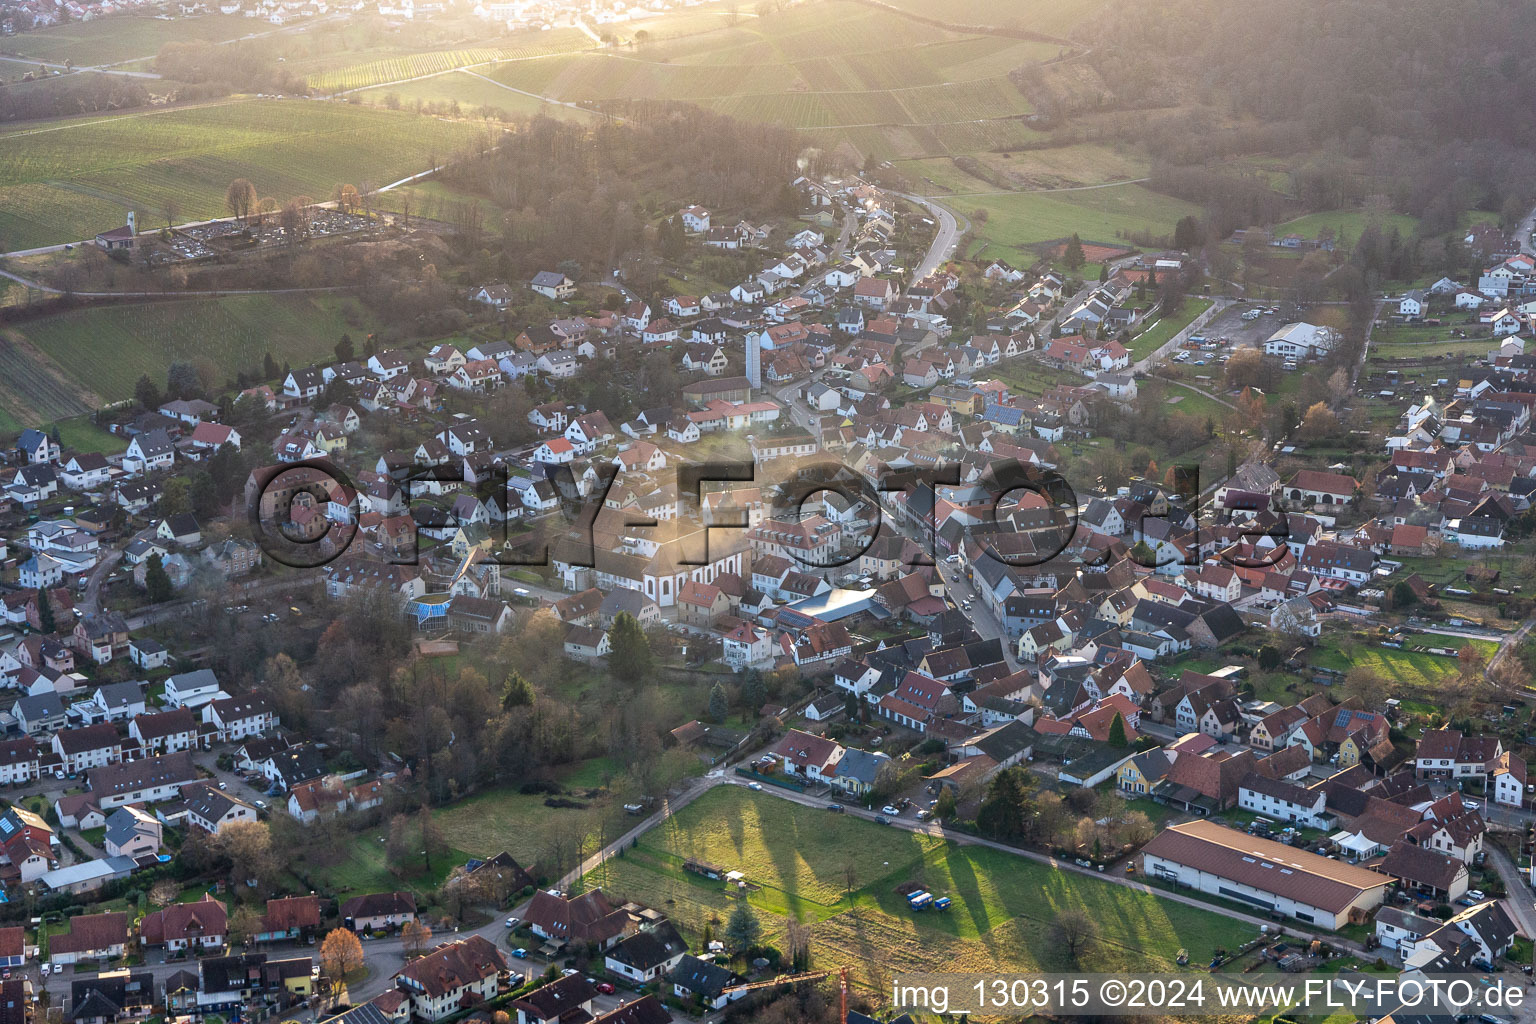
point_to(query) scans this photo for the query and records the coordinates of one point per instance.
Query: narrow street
(1519, 901)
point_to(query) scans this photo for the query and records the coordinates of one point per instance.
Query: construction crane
(790, 979)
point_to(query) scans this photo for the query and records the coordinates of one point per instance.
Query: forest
(569, 193)
(1430, 105)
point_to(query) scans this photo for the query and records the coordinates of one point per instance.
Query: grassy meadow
(801, 859)
(1018, 220)
(67, 180)
(115, 40)
(52, 367)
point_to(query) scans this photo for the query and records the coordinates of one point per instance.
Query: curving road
(944, 242)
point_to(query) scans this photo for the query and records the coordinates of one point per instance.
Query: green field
(118, 39)
(364, 869)
(472, 93)
(432, 62)
(1058, 167)
(67, 180)
(1192, 403)
(829, 64)
(145, 338)
(1018, 220)
(1051, 17)
(1411, 670)
(1347, 224)
(1427, 349)
(799, 856)
(504, 819)
(1160, 332)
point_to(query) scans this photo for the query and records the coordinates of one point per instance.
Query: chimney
(132, 226)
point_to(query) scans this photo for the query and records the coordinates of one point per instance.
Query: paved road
(1172, 345)
(983, 619)
(1523, 234)
(1507, 644)
(1519, 900)
(232, 594)
(90, 601)
(102, 69)
(944, 241)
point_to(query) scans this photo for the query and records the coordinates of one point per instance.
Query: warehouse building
(1269, 876)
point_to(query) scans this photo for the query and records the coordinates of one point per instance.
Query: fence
(772, 780)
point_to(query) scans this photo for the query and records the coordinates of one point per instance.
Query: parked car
(890, 809)
(511, 922)
(755, 785)
(881, 819)
(520, 953)
(569, 972)
(605, 987)
(835, 808)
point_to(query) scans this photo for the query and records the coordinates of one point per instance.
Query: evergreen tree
(754, 694)
(146, 394)
(851, 707)
(518, 692)
(944, 810)
(630, 657)
(1117, 732)
(719, 703)
(268, 367)
(45, 611)
(157, 584)
(1005, 811)
(1073, 257)
(182, 381)
(742, 929)
(344, 350)
(1187, 235)
(205, 495)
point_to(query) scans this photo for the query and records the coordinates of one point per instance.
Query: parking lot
(1229, 323)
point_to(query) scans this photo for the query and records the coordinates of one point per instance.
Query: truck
(920, 900)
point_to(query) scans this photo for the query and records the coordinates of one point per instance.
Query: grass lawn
(833, 65)
(364, 870)
(1192, 403)
(1423, 350)
(1021, 219)
(798, 855)
(84, 436)
(1162, 329)
(1347, 224)
(145, 338)
(1413, 670)
(503, 819)
(115, 39)
(1055, 17)
(472, 93)
(64, 180)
